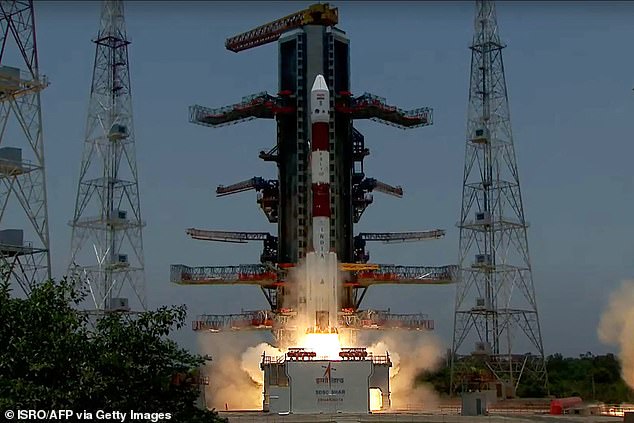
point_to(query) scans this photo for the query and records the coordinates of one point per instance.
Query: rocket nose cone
(319, 84)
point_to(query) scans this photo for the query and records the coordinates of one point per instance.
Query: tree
(439, 379)
(589, 376)
(52, 359)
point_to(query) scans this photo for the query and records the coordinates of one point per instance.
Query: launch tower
(309, 46)
(24, 237)
(107, 243)
(495, 298)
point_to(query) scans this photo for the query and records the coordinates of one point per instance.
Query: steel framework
(271, 276)
(317, 14)
(107, 243)
(268, 320)
(495, 298)
(314, 47)
(23, 187)
(263, 105)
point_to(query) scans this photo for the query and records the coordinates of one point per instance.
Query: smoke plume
(235, 380)
(298, 297)
(410, 352)
(251, 358)
(617, 328)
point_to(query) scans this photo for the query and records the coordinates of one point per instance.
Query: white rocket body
(321, 264)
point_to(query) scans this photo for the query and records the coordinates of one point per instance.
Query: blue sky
(569, 74)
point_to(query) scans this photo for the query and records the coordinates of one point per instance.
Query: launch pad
(301, 383)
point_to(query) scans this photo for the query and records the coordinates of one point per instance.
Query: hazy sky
(569, 69)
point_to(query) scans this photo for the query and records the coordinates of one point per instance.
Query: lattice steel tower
(495, 298)
(107, 243)
(24, 237)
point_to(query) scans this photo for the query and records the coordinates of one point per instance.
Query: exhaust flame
(617, 325)
(376, 399)
(326, 345)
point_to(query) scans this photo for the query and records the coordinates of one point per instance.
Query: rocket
(321, 300)
(320, 165)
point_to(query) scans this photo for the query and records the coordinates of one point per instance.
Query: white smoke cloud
(235, 380)
(617, 328)
(410, 352)
(251, 358)
(299, 296)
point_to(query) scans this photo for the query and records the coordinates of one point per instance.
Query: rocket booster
(321, 293)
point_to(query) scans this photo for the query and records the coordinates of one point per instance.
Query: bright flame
(618, 410)
(376, 399)
(326, 345)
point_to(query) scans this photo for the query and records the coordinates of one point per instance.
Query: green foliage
(588, 376)
(51, 358)
(438, 379)
(531, 386)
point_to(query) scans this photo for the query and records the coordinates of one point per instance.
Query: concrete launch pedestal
(299, 383)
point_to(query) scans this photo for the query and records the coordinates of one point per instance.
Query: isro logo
(327, 376)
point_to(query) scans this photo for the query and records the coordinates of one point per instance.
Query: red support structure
(267, 320)
(257, 106)
(369, 106)
(317, 14)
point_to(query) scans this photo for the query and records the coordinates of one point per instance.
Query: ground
(257, 417)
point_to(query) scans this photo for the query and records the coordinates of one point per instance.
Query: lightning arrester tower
(495, 298)
(24, 236)
(106, 242)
